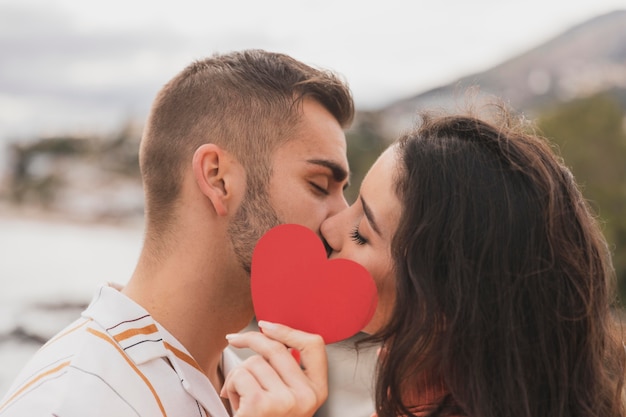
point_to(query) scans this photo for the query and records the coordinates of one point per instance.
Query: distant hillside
(586, 59)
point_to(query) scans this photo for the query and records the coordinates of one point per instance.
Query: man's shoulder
(83, 366)
(59, 374)
(80, 371)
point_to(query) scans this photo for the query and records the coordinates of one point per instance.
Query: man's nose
(338, 205)
(331, 232)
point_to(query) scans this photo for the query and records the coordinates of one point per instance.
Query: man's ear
(213, 169)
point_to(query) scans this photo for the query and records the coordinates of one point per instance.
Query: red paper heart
(294, 284)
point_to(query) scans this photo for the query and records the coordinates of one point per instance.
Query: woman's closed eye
(357, 237)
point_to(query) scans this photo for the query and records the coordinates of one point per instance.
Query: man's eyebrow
(370, 216)
(339, 173)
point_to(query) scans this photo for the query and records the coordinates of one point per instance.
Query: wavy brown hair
(505, 286)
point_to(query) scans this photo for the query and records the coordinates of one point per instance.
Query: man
(235, 144)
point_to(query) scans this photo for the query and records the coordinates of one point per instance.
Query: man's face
(310, 171)
(309, 174)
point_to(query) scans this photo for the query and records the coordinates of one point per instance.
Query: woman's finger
(274, 352)
(272, 346)
(248, 397)
(239, 381)
(312, 348)
(263, 372)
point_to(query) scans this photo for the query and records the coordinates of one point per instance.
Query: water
(49, 272)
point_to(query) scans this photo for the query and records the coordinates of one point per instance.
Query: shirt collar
(143, 339)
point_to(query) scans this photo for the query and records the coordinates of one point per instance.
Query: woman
(494, 279)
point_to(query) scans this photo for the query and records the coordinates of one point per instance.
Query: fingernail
(232, 336)
(296, 355)
(266, 325)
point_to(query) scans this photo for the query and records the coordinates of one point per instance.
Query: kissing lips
(328, 248)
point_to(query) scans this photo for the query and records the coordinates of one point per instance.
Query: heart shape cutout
(293, 283)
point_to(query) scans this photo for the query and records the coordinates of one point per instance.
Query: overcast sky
(68, 65)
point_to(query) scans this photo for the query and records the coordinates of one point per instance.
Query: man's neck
(197, 305)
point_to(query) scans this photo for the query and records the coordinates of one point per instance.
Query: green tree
(590, 135)
(364, 146)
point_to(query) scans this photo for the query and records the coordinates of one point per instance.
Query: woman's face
(363, 232)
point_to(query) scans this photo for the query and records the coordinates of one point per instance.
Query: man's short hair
(247, 102)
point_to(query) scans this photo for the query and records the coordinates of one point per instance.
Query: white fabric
(116, 360)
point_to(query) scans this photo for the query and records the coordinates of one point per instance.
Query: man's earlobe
(209, 174)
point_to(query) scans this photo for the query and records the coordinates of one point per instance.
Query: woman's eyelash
(356, 236)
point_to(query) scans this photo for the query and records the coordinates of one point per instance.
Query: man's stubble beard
(254, 217)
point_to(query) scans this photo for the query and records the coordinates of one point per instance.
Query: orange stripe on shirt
(132, 365)
(134, 332)
(34, 380)
(183, 356)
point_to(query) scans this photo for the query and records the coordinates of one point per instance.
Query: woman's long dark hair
(504, 281)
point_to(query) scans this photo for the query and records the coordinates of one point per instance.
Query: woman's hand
(273, 383)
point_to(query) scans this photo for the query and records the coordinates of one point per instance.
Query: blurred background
(77, 79)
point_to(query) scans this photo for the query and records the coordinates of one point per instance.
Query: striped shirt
(116, 360)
